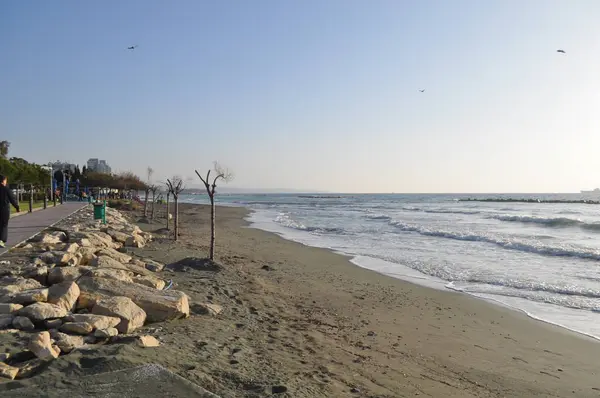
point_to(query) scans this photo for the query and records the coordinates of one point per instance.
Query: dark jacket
(6, 199)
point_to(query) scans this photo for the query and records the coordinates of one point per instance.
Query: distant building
(98, 166)
(58, 165)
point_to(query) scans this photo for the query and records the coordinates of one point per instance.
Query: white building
(58, 165)
(98, 166)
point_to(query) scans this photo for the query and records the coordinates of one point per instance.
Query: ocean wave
(286, 220)
(376, 217)
(441, 211)
(550, 221)
(510, 244)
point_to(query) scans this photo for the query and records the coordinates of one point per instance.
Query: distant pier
(517, 200)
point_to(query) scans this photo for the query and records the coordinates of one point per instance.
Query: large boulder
(159, 305)
(64, 294)
(131, 315)
(39, 273)
(77, 328)
(50, 238)
(6, 321)
(88, 254)
(31, 296)
(97, 321)
(62, 274)
(150, 281)
(14, 285)
(107, 262)
(41, 311)
(41, 345)
(8, 308)
(117, 236)
(23, 323)
(114, 254)
(66, 342)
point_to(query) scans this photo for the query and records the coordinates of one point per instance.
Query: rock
(77, 328)
(147, 341)
(115, 255)
(64, 294)
(106, 333)
(7, 371)
(41, 311)
(132, 316)
(68, 343)
(23, 323)
(6, 321)
(7, 308)
(62, 274)
(96, 321)
(39, 273)
(53, 323)
(65, 259)
(41, 345)
(15, 285)
(4, 357)
(117, 236)
(135, 241)
(31, 368)
(212, 309)
(278, 389)
(150, 281)
(88, 254)
(159, 305)
(107, 262)
(72, 248)
(31, 296)
(51, 238)
(153, 266)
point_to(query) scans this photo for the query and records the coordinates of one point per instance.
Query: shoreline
(426, 281)
(307, 322)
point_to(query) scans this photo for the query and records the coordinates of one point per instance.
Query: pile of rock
(82, 288)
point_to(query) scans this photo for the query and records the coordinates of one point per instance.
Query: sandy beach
(306, 322)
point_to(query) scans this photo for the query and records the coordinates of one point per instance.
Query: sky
(313, 94)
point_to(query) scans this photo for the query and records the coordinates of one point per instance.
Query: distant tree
(4, 146)
(175, 187)
(153, 189)
(77, 174)
(220, 173)
(149, 172)
(84, 170)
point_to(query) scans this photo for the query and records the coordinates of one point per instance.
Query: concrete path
(25, 226)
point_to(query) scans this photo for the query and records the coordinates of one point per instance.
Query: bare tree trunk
(176, 221)
(153, 203)
(168, 210)
(146, 203)
(212, 228)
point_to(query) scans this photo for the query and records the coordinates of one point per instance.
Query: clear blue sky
(311, 94)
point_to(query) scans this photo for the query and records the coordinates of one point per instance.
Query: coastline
(308, 322)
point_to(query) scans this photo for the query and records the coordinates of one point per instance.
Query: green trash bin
(100, 211)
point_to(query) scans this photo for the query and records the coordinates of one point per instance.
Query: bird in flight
(561, 51)
(422, 91)
(132, 47)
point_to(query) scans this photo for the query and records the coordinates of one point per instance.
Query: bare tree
(149, 172)
(153, 189)
(4, 145)
(219, 173)
(168, 195)
(175, 186)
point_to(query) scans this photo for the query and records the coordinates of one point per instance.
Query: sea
(539, 258)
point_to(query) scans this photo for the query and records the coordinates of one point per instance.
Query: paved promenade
(25, 226)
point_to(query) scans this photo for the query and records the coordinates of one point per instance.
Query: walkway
(27, 225)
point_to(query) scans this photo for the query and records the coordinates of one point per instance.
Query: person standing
(6, 199)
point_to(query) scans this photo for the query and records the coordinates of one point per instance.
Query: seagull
(561, 51)
(132, 47)
(422, 91)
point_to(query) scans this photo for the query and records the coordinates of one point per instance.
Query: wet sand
(307, 321)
